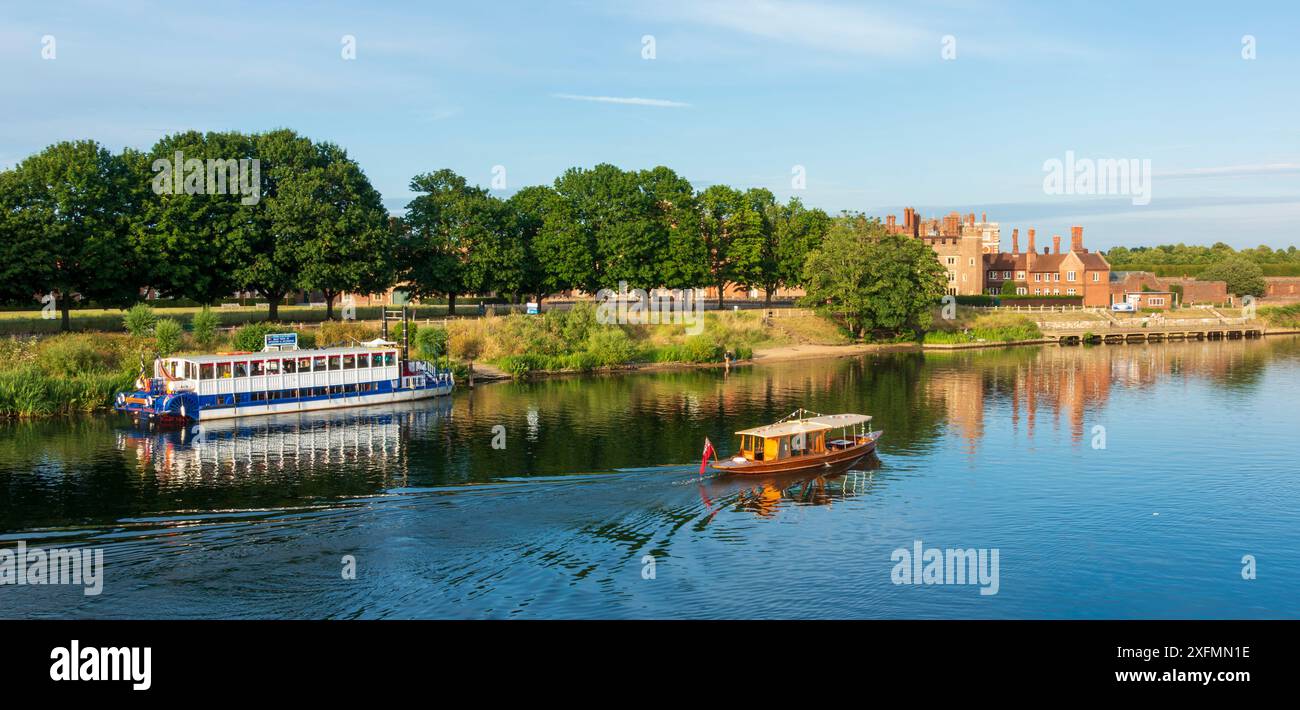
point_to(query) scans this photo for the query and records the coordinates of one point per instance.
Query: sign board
(281, 341)
(531, 308)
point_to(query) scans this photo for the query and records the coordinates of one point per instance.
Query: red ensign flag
(708, 451)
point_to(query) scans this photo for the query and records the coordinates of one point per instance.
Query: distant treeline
(202, 215)
(1182, 259)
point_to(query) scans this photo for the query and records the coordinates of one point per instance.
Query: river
(1110, 482)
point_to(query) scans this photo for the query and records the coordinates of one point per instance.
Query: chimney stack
(1015, 241)
(890, 222)
(1076, 239)
(1031, 248)
(1056, 244)
(984, 216)
(970, 219)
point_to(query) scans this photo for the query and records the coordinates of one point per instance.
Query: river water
(1110, 482)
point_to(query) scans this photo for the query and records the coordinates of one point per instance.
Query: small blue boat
(279, 380)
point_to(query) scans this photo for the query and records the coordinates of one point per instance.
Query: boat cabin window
(241, 369)
(206, 371)
(320, 363)
(272, 367)
(255, 368)
(304, 364)
(223, 370)
(349, 362)
(334, 362)
(390, 359)
(363, 360)
(290, 366)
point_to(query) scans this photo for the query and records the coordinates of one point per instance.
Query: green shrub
(73, 354)
(611, 346)
(431, 343)
(140, 320)
(252, 337)
(167, 335)
(205, 324)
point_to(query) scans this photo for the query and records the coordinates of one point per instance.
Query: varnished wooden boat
(801, 443)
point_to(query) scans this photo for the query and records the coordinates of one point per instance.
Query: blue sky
(738, 92)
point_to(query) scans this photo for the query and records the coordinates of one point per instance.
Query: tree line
(77, 218)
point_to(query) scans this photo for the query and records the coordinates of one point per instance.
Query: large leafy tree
(872, 280)
(1243, 276)
(731, 230)
(612, 224)
(796, 231)
(456, 236)
(339, 228)
(684, 262)
(271, 262)
(192, 245)
(66, 217)
(527, 211)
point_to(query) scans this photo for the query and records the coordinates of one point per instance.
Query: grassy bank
(572, 341)
(972, 327)
(1282, 316)
(66, 374)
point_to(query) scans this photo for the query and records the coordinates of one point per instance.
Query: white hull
(340, 402)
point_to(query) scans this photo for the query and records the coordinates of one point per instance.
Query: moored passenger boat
(801, 443)
(280, 378)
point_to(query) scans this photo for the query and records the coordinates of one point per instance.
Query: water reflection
(766, 495)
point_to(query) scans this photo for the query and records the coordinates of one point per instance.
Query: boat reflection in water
(307, 443)
(764, 495)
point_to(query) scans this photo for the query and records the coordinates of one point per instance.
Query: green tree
(527, 210)
(205, 324)
(192, 243)
(453, 235)
(1244, 277)
(684, 263)
(271, 258)
(871, 280)
(140, 320)
(339, 226)
(796, 232)
(167, 335)
(65, 227)
(732, 234)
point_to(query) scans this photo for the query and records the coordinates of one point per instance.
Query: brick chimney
(1015, 241)
(984, 216)
(1076, 239)
(970, 219)
(1032, 249)
(889, 221)
(1056, 244)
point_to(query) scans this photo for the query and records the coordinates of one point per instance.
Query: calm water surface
(1114, 482)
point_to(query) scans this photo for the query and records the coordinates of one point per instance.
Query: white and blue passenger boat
(280, 379)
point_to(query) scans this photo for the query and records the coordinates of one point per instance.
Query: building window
(951, 277)
(1006, 274)
(1056, 277)
(1069, 292)
(1038, 277)
(1156, 301)
(952, 261)
(993, 275)
(1020, 276)
(971, 262)
(1038, 292)
(1021, 291)
(1096, 276)
(1069, 276)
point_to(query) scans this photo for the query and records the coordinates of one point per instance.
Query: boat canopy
(798, 426)
(835, 421)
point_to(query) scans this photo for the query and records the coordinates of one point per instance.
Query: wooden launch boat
(802, 443)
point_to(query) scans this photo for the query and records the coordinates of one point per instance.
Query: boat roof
(272, 354)
(798, 426)
(804, 426)
(836, 421)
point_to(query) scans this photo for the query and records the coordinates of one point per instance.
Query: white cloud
(818, 25)
(626, 100)
(1233, 171)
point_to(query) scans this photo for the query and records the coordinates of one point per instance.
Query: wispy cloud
(626, 100)
(820, 25)
(1232, 171)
